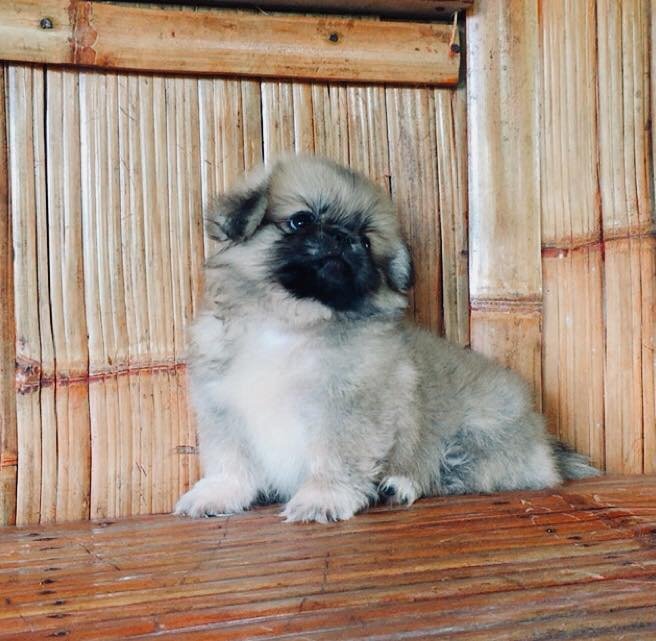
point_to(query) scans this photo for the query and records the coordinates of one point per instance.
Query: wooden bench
(577, 562)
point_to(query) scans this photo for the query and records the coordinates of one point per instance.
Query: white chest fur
(264, 385)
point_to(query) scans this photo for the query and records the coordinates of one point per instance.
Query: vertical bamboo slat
(109, 400)
(229, 111)
(573, 349)
(331, 122)
(25, 142)
(504, 186)
(412, 140)
(303, 118)
(277, 118)
(451, 123)
(251, 98)
(8, 434)
(649, 385)
(628, 226)
(186, 238)
(368, 133)
(71, 441)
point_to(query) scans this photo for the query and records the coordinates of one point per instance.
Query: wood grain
(8, 433)
(428, 572)
(133, 37)
(426, 9)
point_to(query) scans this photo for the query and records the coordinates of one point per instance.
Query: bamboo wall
(104, 177)
(561, 98)
(109, 174)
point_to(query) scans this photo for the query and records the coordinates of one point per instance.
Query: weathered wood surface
(426, 9)
(577, 562)
(170, 39)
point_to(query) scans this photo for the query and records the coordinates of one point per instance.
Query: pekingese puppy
(308, 385)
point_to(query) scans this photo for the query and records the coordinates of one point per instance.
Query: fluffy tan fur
(331, 410)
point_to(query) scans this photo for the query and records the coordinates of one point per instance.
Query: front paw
(213, 496)
(398, 490)
(324, 502)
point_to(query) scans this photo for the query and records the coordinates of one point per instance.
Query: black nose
(342, 237)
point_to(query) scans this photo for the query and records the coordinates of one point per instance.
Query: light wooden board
(151, 38)
(426, 9)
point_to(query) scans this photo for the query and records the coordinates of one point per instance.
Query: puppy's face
(324, 233)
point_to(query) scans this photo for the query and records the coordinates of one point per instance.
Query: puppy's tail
(572, 465)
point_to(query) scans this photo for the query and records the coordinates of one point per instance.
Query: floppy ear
(238, 213)
(400, 271)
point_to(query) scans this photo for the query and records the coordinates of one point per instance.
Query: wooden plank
(210, 42)
(378, 576)
(425, 9)
(504, 181)
(8, 433)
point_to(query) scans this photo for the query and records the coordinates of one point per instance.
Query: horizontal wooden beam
(423, 9)
(111, 36)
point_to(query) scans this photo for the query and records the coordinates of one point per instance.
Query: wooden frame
(97, 34)
(424, 9)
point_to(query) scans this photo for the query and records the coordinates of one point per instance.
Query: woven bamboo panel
(110, 174)
(559, 105)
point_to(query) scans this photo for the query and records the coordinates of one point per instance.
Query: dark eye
(300, 220)
(366, 243)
